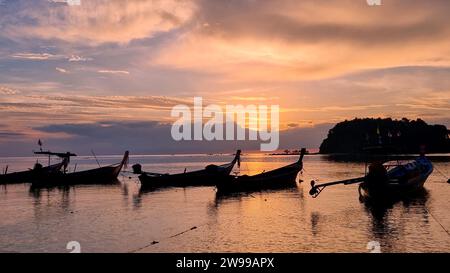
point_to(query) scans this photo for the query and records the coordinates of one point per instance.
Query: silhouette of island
(387, 136)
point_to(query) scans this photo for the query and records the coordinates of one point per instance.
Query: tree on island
(395, 136)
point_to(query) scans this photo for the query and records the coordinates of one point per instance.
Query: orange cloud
(303, 40)
(320, 60)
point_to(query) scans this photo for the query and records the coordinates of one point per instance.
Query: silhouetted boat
(398, 181)
(206, 177)
(33, 174)
(279, 178)
(102, 175)
(385, 182)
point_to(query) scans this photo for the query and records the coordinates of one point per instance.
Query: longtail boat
(205, 177)
(28, 176)
(283, 177)
(38, 172)
(102, 175)
(387, 181)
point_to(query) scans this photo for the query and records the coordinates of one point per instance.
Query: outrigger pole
(317, 189)
(60, 155)
(64, 156)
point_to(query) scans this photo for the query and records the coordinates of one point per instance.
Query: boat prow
(205, 177)
(283, 177)
(102, 175)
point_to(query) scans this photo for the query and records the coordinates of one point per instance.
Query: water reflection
(122, 216)
(37, 192)
(221, 197)
(362, 158)
(67, 194)
(380, 207)
(389, 219)
(315, 218)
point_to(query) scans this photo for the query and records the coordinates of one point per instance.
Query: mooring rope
(441, 173)
(154, 242)
(183, 232)
(437, 221)
(170, 237)
(310, 174)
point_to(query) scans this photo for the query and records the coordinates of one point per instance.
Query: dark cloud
(140, 137)
(147, 137)
(310, 137)
(151, 137)
(10, 134)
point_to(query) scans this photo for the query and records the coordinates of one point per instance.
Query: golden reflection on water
(121, 218)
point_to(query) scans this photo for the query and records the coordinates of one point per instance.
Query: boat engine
(377, 176)
(212, 168)
(137, 169)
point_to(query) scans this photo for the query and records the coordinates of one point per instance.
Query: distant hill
(394, 136)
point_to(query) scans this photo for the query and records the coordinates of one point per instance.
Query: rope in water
(172, 236)
(305, 171)
(175, 235)
(437, 221)
(442, 173)
(311, 175)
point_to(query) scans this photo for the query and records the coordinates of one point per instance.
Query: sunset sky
(107, 73)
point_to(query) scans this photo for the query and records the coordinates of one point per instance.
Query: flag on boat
(40, 144)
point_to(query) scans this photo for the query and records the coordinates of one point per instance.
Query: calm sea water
(120, 218)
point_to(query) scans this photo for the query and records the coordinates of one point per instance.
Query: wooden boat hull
(30, 175)
(189, 179)
(284, 177)
(206, 177)
(259, 182)
(391, 192)
(402, 181)
(103, 175)
(18, 177)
